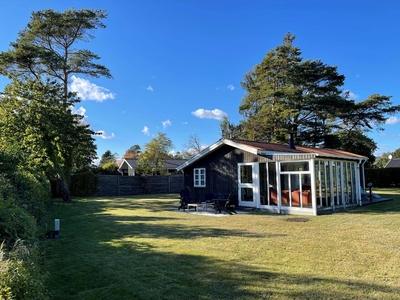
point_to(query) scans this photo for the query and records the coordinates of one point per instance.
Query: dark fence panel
(114, 185)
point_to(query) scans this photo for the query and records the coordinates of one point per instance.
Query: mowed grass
(139, 248)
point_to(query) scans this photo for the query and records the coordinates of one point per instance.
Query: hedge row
(24, 196)
(383, 177)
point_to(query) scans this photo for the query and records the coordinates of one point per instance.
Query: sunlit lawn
(139, 248)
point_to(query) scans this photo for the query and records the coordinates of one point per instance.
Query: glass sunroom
(279, 178)
(308, 186)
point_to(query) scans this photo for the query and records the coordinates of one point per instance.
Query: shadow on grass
(95, 258)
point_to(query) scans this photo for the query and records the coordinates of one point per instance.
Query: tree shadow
(93, 257)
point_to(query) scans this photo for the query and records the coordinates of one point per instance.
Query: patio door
(248, 184)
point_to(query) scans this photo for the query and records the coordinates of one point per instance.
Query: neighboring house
(129, 165)
(393, 163)
(277, 178)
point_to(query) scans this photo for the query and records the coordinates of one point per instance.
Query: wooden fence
(116, 185)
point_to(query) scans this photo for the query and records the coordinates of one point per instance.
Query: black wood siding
(221, 171)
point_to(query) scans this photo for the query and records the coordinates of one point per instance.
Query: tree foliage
(151, 161)
(45, 52)
(37, 118)
(133, 152)
(381, 161)
(46, 47)
(24, 196)
(107, 158)
(286, 95)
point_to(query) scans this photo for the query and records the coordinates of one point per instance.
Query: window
(199, 177)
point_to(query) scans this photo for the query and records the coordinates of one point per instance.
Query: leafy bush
(16, 223)
(24, 195)
(29, 188)
(33, 192)
(83, 184)
(383, 177)
(20, 274)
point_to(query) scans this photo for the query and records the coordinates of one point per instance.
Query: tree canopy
(40, 63)
(133, 152)
(108, 158)
(151, 160)
(46, 47)
(288, 96)
(35, 117)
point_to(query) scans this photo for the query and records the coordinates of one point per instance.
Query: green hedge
(83, 184)
(24, 196)
(383, 177)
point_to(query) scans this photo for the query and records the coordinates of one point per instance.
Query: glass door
(248, 183)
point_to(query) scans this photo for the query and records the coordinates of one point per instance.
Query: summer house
(276, 177)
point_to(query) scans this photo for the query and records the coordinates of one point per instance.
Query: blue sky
(177, 65)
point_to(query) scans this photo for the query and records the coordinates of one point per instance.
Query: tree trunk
(64, 185)
(65, 192)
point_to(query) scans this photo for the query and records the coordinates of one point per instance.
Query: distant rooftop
(393, 163)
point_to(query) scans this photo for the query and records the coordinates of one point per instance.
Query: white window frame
(201, 173)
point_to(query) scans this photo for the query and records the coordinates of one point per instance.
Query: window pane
(246, 194)
(273, 198)
(246, 174)
(295, 166)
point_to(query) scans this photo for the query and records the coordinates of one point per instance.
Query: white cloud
(216, 114)
(351, 95)
(166, 123)
(104, 135)
(149, 88)
(392, 121)
(79, 111)
(146, 130)
(89, 91)
(231, 87)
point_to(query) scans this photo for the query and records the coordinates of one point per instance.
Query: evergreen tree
(107, 158)
(46, 47)
(286, 95)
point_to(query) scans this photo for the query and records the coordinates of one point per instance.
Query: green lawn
(138, 248)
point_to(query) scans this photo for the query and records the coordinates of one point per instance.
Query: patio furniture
(225, 204)
(304, 197)
(187, 202)
(208, 201)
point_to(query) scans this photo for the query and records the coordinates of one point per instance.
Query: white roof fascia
(125, 161)
(241, 146)
(129, 164)
(265, 152)
(341, 157)
(203, 153)
(214, 147)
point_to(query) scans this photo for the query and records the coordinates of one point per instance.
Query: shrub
(24, 195)
(83, 184)
(383, 177)
(20, 273)
(33, 192)
(16, 223)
